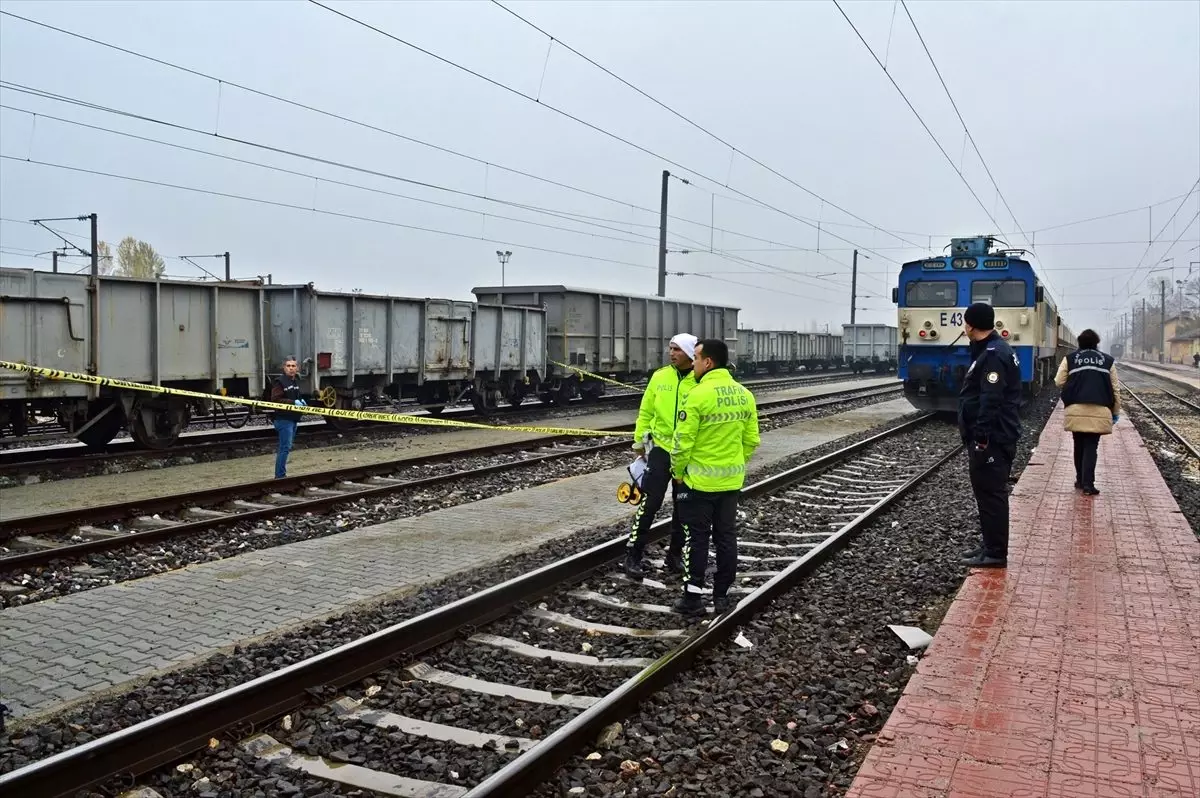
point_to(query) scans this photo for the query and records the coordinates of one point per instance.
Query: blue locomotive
(931, 297)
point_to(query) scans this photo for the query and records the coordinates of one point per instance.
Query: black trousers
(654, 490)
(1087, 445)
(989, 470)
(704, 514)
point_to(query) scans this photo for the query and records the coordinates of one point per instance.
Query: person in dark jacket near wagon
(989, 421)
(285, 390)
(1092, 398)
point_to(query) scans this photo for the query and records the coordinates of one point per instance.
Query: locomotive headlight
(999, 325)
(928, 325)
(1024, 319)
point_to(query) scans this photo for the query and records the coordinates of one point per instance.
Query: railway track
(1178, 416)
(36, 541)
(75, 456)
(575, 644)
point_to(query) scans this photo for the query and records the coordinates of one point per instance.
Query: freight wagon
(620, 336)
(745, 361)
(820, 350)
(356, 350)
(202, 337)
(777, 351)
(869, 347)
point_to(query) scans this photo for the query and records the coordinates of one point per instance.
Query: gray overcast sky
(1079, 108)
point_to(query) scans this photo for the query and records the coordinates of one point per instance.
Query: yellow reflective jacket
(716, 432)
(660, 405)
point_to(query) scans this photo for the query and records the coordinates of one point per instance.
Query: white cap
(687, 342)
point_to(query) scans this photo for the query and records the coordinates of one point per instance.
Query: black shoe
(674, 563)
(633, 565)
(1091, 492)
(982, 560)
(722, 604)
(972, 554)
(691, 604)
(1078, 485)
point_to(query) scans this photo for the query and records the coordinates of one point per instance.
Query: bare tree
(138, 259)
(105, 258)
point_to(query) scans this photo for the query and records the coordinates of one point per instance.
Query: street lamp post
(503, 255)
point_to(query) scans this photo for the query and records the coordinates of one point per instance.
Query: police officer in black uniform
(988, 418)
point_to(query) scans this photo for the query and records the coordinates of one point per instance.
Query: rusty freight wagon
(357, 350)
(619, 336)
(199, 336)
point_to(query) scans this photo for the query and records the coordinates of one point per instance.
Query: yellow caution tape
(596, 376)
(355, 415)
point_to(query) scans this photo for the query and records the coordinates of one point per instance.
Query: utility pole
(853, 285)
(503, 256)
(54, 260)
(1145, 326)
(1162, 346)
(662, 238)
(95, 246)
(228, 278)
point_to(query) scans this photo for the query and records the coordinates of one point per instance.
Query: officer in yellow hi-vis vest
(715, 435)
(655, 430)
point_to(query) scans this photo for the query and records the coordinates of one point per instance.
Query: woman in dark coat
(1088, 378)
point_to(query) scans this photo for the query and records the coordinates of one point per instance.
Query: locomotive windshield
(1009, 293)
(931, 294)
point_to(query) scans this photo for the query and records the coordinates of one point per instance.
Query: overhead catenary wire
(43, 94)
(223, 82)
(329, 162)
(693, 172)
(348, 216)
(963, 122)
(293, 206)
(735, 149)
(1150, 244)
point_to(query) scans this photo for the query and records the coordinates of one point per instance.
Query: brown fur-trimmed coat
(1096, 419)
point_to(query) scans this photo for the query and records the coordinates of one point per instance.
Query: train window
(999, 293)
(931, 294)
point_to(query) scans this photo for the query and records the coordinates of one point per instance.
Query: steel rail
(55, 522)
(24, 459)
(524, 774)
(1186, 402)
(176, 733)
(1174, 433)
(76, 454)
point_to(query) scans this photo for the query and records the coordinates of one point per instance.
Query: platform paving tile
(168, 619)
(1075, 672)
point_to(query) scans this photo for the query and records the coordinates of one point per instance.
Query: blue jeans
(287, 434)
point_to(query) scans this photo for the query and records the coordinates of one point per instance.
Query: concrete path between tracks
(69, 648)
(63, 495)
(1182, 376)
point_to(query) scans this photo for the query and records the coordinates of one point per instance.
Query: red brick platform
(1075, 673)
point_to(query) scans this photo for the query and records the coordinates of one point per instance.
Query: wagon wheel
(157, 422)
(485, 401)
(342, 403)
(562, 397)
(108, 424)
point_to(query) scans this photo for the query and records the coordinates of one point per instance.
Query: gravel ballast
(824, 671)
(101, 569)
(37, 738)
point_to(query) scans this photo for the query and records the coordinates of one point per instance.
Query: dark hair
(716, 350)
(1088, 339)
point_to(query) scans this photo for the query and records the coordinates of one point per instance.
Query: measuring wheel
(628, 493)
